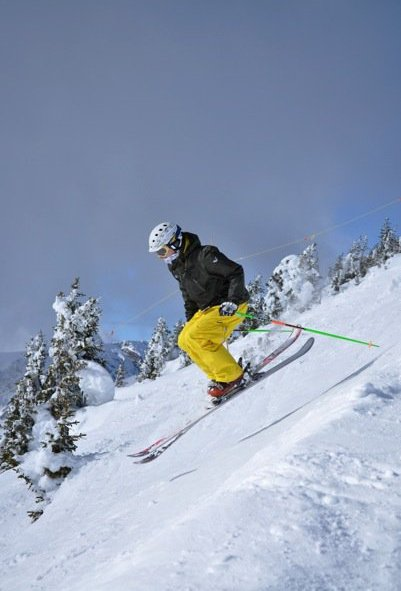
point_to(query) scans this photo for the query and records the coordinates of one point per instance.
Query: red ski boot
(219, 389)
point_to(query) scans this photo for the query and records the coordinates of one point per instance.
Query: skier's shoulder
(209, 254)
(202, 252)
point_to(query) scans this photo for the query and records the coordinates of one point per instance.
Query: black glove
(228, 309)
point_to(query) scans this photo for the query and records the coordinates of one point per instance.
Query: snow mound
(96, 384)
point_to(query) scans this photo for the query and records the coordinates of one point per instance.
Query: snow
(96, 383)
(294, 485)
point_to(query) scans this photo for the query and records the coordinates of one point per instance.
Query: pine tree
(80, 323)
(45, 405)
(60, 396)
(120, 375)
(350, 267)
(294, 284)
(337, 274)
(388, 246)
(356, 260)
(156, 353)
(256, 305)
(21, 410)
(86, 321)
(63, 372)
(274, 292)
(74, 341)
(309, 263)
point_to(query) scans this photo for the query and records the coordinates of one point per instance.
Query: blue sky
(250, 123)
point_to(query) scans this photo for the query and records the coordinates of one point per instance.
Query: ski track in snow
(311, 503)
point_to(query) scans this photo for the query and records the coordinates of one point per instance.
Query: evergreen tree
(356, 261)
(45, 405)
(65, 354)
(74, 341)
(256, 305)
(21, 410)
(120, 375)
(350, 267)
(274, 292)
(157, 352)
(388, 246)
(80, 323)
(294, 284)
(337, 274)
(309, 263)
(60, 396)
(86, 326)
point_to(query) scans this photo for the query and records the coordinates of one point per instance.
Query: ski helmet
(164, 234)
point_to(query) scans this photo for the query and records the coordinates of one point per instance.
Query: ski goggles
(172, 245)
(163, 251)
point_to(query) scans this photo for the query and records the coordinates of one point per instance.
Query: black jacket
(206, 276)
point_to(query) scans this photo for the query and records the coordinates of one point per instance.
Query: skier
(214, 291)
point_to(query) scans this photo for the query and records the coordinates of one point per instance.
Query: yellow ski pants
(202, 338)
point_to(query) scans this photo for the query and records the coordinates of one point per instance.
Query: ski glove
(228, 309)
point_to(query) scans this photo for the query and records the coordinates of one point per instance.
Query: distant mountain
(6, 359)
(129, 352)
(12, 367)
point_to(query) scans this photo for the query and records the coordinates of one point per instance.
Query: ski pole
(326, 334)
(261, 330)
(319, 332)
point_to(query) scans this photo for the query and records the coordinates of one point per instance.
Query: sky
(251, 123)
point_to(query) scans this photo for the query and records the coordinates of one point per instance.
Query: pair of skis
(155, 449)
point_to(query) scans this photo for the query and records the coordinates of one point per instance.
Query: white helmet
(163, 234)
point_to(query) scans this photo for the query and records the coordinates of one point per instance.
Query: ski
(151, 452)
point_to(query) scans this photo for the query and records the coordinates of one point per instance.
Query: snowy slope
(313, 502)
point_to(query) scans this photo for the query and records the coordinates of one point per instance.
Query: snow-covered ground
(311, 503)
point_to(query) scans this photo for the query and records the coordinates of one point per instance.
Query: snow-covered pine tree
(256, 305)
(294, 283)
(350, 267)
(356, 261)
(388, 246)
(66, 352)
(337, 274)
(74, 341)
(120, 378)
(60, 396)
(21, 410)
(156, 353)
(81, 322)
(309, 262)
(86, 319)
